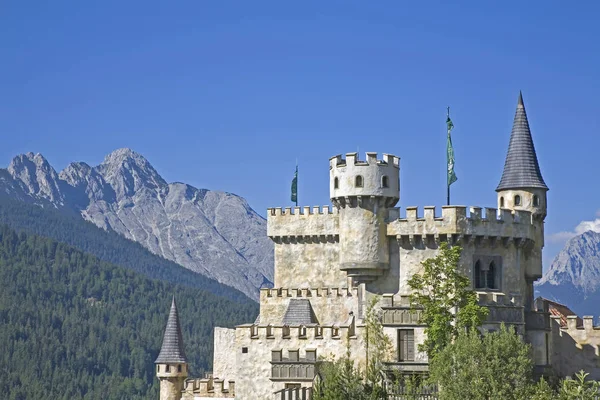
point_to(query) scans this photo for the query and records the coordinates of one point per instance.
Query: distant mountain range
(213, 233)
(573, 278)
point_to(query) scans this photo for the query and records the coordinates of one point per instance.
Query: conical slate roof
(521, 168)
(172, 347)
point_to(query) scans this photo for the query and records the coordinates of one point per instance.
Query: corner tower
(171, 364)
(363, 191)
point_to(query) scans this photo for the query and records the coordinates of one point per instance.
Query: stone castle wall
(576, 347)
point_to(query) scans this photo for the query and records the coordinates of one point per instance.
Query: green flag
(295, 187)
(450, 152)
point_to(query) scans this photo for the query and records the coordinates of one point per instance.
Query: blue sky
(227, 95)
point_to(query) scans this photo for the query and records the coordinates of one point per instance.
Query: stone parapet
(312, 332)
(209, 387)
(499, 225)
(316, 223)
(308, 292)
(499, 299)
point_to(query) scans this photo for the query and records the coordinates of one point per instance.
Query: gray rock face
(573, 278)
(213, 233)
(577, 263)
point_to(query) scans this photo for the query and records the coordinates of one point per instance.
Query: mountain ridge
(213, 233)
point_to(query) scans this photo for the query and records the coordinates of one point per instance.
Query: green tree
(579, 388)
(342, 380)
(449, 305)
(495, 365)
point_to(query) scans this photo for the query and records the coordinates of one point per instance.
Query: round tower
(363, 191)
(171, 364)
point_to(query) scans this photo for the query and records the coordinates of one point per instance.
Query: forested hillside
(108, 246)
(74, 327)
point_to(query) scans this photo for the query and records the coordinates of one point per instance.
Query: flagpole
(296, 182)
(450, 174)
(447, 175)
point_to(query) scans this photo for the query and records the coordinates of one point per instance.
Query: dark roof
(299, 312)
(172, 347)
(521, 168)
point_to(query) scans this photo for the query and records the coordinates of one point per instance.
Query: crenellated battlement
(352, 180)
(371, 160)
(346, 329)
(318, 224)
(301, 211)
(210, 387)
(308, 293)
(499, 299)
(572, 327)
(516, 226)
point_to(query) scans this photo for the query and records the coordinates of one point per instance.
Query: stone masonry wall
(576, 348)
(224, 364)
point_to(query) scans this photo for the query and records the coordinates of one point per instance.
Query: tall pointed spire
(172, 350)
(521, 168)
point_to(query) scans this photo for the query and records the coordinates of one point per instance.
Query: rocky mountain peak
(129, 172)
(578, 263)
(37, 176)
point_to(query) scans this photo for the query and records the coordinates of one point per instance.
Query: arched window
(536, 200)
(336, 182)
(517, 200)
(491, 277)
(384, 182)
(501, 202)
(158, 368)
(358, 182)
(479, 276)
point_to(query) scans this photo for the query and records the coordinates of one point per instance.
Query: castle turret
(171, 364)
(363, 191)
(522, 186)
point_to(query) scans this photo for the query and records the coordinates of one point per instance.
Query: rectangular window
(406, 345)
(244, 350)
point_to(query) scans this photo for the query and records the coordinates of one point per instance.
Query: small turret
(171, 364)
(522, 186)
(363, 191)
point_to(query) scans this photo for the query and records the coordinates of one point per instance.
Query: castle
(329, 262)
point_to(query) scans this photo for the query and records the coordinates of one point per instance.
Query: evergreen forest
(73, 326)
(67, 226)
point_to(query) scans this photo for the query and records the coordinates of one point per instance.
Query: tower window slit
(501, 202)
(479, 276)
(536, 201)
(491, 276)
(336, 183)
